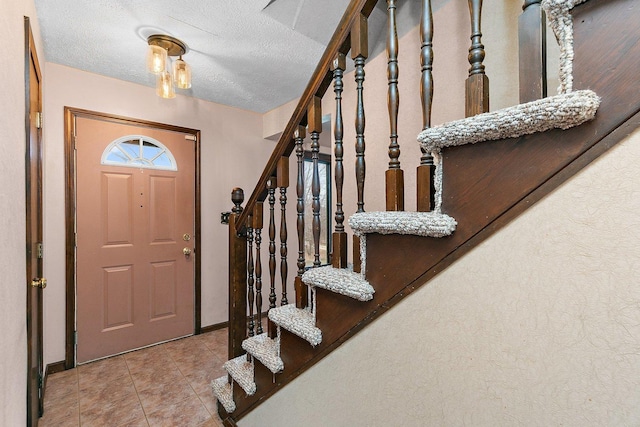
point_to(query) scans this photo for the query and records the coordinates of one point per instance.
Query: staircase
(467, 200)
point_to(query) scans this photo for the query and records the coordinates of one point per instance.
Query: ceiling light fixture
(161, 49)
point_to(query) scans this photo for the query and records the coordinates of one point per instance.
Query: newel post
(237, 277)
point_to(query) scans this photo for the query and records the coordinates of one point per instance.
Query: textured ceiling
(250, 54)
(240, 55)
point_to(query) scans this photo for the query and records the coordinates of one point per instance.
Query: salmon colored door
(135, 228)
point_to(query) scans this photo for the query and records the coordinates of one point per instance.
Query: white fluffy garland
(223, 391)
(301, 322)
(266, 350)
(342, 281)
(241, 371)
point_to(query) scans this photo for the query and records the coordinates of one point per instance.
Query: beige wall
(233, 154)
(13, 341)
(538, 325)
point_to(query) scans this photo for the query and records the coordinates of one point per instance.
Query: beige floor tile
(103, 370)
(111, 364)
(61, 386)
(57, 394)
(140, 422)
(189, 412)
(64, 375)
(155, 398)
(154, 378)
(62, 415)
(106, 393)
(208, 400)
(164, 385)
(112, 413)
(212, 422)
(151, 356)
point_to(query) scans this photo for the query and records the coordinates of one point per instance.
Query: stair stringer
(485, 196)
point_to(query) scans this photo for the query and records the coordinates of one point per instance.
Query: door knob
(186, 251)
(39, 283)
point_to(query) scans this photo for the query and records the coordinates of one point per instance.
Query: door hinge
(40, 381)
(39, 252)
(75, 337)
(190, 137)
(39, 120)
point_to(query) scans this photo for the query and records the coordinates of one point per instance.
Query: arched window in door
(139, 151)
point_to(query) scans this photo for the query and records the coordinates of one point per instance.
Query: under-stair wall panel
(485, 187)
(538, 325)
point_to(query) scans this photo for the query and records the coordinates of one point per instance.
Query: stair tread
(554, 112)
(427, 224)
(223, 392)
(241, 371)
(266, 350)
(301, 322)
(341, 281)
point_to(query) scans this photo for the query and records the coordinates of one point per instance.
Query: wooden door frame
(70, 115)
(31, 57)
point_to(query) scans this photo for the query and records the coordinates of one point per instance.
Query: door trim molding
(70, 115)
(31, 57)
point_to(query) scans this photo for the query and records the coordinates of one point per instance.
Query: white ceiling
(251, 54)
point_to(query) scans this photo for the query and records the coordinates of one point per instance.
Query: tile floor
(163, 385)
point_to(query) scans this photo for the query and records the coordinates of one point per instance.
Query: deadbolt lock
(39, 283)
(186, 237)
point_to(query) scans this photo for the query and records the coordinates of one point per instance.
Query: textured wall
(13, 339)
(233, 154)
(539, 325)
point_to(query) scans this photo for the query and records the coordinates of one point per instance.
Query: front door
(135, 236)
(35, 282)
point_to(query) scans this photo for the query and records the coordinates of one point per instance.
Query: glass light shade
(182, 74)
(156, 59)
(164, 85)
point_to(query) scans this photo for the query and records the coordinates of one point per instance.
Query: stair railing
(245, 225)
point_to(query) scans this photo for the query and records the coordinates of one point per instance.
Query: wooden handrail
(317, 86)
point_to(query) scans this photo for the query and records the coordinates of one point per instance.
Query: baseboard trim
(54, 368)
(214, 327)
(222, 325)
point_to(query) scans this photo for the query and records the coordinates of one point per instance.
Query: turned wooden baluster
(425, 172)
(237, 279)
(314, 118)
(394, 176)
(250, 279)
(257, 227)
(477, 84)
(359, 53)
(283, 183)
(532, 40)
(271, 190)
(339, 259)
(300, 287)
